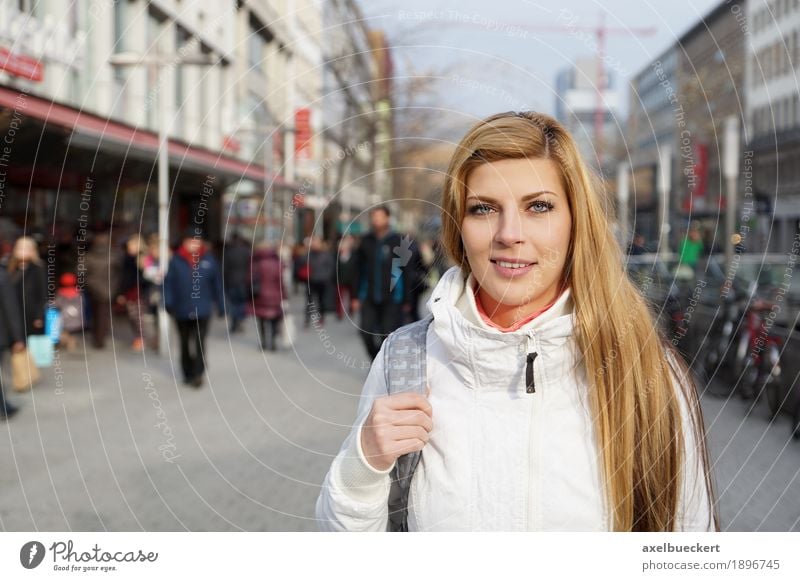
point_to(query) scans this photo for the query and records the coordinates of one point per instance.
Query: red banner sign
(21, 66)
(302, 133)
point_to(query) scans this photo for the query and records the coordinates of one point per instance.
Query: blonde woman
(553, 402)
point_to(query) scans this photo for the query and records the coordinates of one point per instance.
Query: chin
(508, 297)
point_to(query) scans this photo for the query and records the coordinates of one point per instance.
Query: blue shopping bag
(52, 324)
(41, 349)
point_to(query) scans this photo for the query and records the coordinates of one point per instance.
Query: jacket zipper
(530, 382)
(533, 447)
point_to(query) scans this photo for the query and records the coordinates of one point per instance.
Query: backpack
(405, 369)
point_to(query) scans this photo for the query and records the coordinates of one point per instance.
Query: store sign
(37, 41)
(230, 143)
(302, 135)
(21, 65)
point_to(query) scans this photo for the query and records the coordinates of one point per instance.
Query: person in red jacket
(269, 292)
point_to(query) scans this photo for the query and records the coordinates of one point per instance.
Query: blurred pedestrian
(102, 278)
(346, 276)
(637, 245)
(151, 272)
(269, 292)
(691, 247)
(416, 274)
(69, 302)
(11, 335)
(321, 270)
(235, 263)
(28, 278)
(132, 292)
(381, 258)
(300, 267)
(192, 288)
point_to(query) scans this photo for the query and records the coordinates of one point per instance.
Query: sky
(487, 63)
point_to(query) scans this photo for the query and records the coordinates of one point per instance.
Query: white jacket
(498, 458)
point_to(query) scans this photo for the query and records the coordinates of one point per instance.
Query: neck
(505, 316)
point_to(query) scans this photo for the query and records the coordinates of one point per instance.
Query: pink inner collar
(515, 326)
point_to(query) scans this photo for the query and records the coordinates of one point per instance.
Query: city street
(113, 441)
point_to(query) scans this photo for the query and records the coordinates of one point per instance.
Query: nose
(509, 229)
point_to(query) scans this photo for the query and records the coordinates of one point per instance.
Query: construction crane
(600, 32)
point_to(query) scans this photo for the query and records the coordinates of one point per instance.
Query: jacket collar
(451, 299)
(487, 358)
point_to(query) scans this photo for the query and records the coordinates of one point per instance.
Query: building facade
(679, 104)
(239, 87)
(772, 131)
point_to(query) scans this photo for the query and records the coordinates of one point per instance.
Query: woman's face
(516, 211)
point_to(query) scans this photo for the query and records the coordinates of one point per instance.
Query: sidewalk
(114, 441)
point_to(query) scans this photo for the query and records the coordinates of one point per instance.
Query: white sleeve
(354, 495)
(695, 511)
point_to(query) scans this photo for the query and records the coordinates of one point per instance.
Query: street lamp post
(730, 169)
(156, 63)
(664, 187)
(623, 195)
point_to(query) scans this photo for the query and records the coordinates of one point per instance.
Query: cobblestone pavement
(111, 440)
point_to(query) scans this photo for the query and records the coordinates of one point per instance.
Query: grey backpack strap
(404, 364)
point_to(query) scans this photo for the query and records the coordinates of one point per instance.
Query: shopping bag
(41, 350)
(53, 324)
(289, 327)
(23, 371)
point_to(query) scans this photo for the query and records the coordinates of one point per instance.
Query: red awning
(92, 129)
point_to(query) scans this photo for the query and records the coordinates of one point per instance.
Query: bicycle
(757, 362)
(722, 334)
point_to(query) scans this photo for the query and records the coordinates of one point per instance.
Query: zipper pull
(530, 387)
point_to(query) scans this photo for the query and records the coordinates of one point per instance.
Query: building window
(182, 39)
(120, 106)
(154, 42)
(257, 39)
(120, 20)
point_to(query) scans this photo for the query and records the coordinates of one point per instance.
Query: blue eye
(538, 206)
(541, 206)
(479, 209)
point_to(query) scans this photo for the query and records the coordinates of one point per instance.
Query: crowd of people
(381, 276)
(378, 278)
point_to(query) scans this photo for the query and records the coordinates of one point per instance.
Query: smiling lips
(511, 267)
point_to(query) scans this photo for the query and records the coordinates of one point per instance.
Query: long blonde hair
(632, 370)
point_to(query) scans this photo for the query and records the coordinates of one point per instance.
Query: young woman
(554, 403)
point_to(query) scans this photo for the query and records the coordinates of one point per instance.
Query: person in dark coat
(416, 274)
(269, 292)
(101, 279)
(11, 335)
(28, 278)
(192, 288)
(320, 278)
(346, 276)
(235, 262)
(133, 289)
(383, 285)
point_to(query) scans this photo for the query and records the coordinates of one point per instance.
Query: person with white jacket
(554, 401)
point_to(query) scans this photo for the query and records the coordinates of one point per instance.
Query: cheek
(476, 235)
(553, 241)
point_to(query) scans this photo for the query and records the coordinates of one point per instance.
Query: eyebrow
(524, 199)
